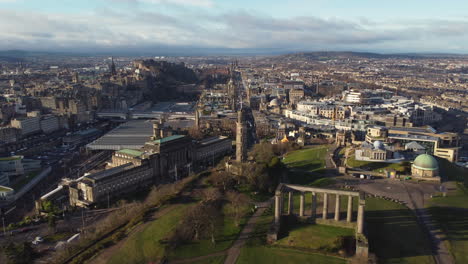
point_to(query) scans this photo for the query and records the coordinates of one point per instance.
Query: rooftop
(5, 189)
(167, 139)
(10, 158)
(131, 152)
(110, 172)
(426, 162)
(130, 135)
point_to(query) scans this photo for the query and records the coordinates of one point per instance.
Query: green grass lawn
(313, 236)
(211, 260)
(226, 235)
(451, 215)
(270, 255)
(146, 246)
(306, 165)
(394, 235)
(257, 251)
(377, 166)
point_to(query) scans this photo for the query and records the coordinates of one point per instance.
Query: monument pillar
(277, 207)
(360, 216)
(349, 215)
(325, 206)
(314, 206)
(290, 204)
(337, 207)
(301, 205)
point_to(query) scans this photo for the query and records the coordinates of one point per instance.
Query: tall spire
(113, 69)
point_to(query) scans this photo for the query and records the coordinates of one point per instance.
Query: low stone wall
(332, 222)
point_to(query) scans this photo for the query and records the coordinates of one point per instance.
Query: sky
(386, 26)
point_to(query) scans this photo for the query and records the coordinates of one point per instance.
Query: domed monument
(425, 166)
(379, 144)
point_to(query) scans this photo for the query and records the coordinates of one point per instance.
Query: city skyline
(212, 26)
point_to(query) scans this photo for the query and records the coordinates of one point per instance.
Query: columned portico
(290, 190)
(325, 206)
(314, 206)
(301, 204)
(349, 214)
(337, 207)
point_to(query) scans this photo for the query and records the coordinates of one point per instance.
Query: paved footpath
(414, 196)
(234, 252)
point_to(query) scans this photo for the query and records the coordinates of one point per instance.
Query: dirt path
(105, 255)
(234, 251)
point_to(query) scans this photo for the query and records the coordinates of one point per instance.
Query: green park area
(257, 250)
(315, 237)
(402, 167)
(451, 217)
(394, 234)
(148, 244)
(226, 234)
(306, 165)
(152, 242)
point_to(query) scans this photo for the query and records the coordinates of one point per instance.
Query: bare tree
(222, 180)
(239, 203)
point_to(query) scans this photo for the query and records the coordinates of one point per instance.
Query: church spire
(112, 68)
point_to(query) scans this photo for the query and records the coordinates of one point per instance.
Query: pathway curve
(234, 252)
(106, 254)
(414, 195)
(442, 254)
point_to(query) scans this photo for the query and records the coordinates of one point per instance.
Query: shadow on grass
(452, 220)
(396, 234)
(305, 166)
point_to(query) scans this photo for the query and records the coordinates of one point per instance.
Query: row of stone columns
(279, 207)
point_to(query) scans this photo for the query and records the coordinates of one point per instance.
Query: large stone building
(207, 151)
(425, 166)
(445, 145)
(27, 125)
(99, 186)
(164, 158)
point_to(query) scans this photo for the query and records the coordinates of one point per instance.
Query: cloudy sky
(260, 25)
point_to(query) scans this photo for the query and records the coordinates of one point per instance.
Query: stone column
(301, 205)
(290, 204)
(277, 207)
(360, 216)
(314, 206)
(337, 207)
(325, 206)
(349, 215)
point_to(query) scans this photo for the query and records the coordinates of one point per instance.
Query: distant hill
(327, 55)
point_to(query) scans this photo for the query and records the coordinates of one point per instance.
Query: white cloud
(135, 29)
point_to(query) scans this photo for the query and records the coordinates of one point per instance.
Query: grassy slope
(211, 260)
(306, 165)
(374, 166)
(226, 235)
(145, 246)
(451, 215)
(256, 250)
(394, 235)
(313, 236)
